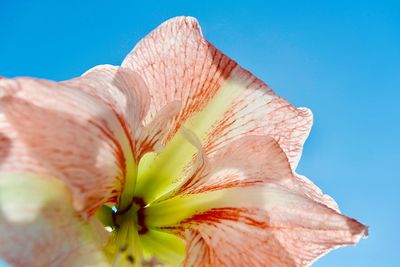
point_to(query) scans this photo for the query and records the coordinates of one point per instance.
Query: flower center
(136, 206)
(143, 209)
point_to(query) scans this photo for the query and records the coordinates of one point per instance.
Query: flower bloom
(182, 155)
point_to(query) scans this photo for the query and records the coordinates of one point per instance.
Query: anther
(123, 248)
(130, 258)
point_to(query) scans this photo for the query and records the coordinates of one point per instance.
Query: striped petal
(244, 206)
(250, 160)
(256, 226)
(90, 130)
(122, 90)
(52, 130)
(221, 101)
(126, 94)
(40, 227)
(62, 131)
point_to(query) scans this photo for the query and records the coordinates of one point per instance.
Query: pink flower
(181, 154)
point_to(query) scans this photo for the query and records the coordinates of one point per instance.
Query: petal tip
(182, 19)
(179, 21)
(364, 233)
(306, 112)
(358, 230)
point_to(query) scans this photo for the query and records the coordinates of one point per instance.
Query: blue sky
(339, 58)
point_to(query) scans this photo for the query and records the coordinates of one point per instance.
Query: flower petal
(59, 131)
(90, 128)
(127, 96)
(39, 226)
(151, 136)
(220, 100)
(250, 160)
(258, 226)
(121, 89)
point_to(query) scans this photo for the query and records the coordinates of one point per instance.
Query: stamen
(123, 248)
(129, 222)
(130, 258)
(128, 242)
(140, 215)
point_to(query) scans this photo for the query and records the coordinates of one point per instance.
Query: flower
(180, 154)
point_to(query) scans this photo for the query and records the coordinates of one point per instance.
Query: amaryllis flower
(178, 157)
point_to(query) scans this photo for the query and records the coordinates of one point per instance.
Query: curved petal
(121, 89)
(250, 160)
(151, 136)
(221, 101)
(90, 128)
(126, 94)
(59, 131)
(39, 226)
(256, 226)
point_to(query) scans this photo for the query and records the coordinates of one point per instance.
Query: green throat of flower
(142, 219)
(139, 221)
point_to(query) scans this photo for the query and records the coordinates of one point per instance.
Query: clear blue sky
(339, 58)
